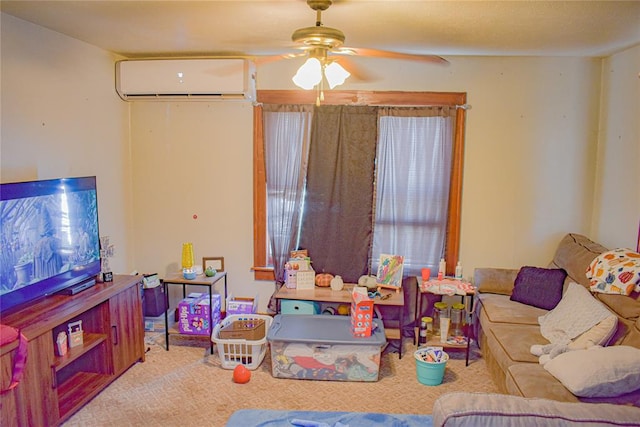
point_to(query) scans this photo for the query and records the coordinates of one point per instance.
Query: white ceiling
(212, 28)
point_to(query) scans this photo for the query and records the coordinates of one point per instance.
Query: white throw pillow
(598, 371)
(577, 312)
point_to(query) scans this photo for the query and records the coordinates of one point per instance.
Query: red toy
(241, 375)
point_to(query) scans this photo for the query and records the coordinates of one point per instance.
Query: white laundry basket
(234, 352)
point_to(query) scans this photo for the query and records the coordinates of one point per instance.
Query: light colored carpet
(187, 386)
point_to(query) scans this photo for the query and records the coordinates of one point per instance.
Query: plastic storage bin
(237, 351)
(318, 347)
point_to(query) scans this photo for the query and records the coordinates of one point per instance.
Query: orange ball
(241, 374)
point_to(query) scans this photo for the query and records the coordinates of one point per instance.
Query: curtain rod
(463, 106)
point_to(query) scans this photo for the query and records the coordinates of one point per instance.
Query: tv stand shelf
(85, 384)
(53, 387)
(90, 341)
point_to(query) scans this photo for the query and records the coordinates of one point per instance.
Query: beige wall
(617, 203)
(194, 159)
(530, 160)
(61, 117)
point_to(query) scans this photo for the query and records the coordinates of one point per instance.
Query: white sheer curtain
(286, 148)
(413, 178)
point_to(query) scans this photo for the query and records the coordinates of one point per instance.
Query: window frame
(374, 98)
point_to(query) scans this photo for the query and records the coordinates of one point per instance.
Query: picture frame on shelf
(215, 262)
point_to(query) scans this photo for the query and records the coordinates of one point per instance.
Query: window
(261, 267)
(412, 189)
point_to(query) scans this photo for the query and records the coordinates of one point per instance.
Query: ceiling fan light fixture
(309, 74)
(335, 74)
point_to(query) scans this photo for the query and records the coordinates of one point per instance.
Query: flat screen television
(50, 239)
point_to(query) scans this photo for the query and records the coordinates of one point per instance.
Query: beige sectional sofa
(464, 409)
(507, 329)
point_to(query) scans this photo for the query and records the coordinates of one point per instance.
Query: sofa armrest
(459, 409)
(495, 280)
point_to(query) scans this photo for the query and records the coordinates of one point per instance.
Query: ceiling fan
(326, 54)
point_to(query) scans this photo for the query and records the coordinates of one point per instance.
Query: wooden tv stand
(53, 387)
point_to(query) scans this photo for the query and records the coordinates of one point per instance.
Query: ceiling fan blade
(376, 53)
(356, 71)
(262, 60)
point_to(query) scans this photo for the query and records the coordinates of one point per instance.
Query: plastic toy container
(236, 351)
(318, 347)
(430, 372)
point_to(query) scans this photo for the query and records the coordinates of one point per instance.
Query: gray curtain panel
(338, 212)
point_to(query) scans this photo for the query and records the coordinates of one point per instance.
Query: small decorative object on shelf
(369, 282)
(188, 261)
(440, 310)
(458, 275)
(442, 269)
(75, 333)
(426, 327)
(337, 283)
(457, 319)
(61, 343)
(106, 252)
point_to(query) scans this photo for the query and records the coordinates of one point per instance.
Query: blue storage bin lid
(321, 329)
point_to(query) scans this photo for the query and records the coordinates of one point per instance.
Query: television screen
(50, 238)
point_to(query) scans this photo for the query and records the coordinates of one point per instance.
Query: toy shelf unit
(199, 281)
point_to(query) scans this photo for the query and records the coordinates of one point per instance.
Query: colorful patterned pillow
(615, 272)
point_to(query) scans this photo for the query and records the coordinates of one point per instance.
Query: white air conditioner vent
(205, 79)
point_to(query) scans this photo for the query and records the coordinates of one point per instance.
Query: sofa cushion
(598, 371)
(516, 341)
(486, 409)
(576, 313)
(532, 380)
(495, 280)
(539, 287)
(615, 272)
(574, 254)
(500, 309)
(622, 305)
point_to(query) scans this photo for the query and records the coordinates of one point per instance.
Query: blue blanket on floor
(269, 418)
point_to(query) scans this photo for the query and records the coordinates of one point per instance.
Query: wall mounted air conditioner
(167, 79)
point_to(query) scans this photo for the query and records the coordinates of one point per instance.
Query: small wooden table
(435, 341)
(200, 280)
(326, 294)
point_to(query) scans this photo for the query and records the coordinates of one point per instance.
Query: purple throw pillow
(539, 287)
